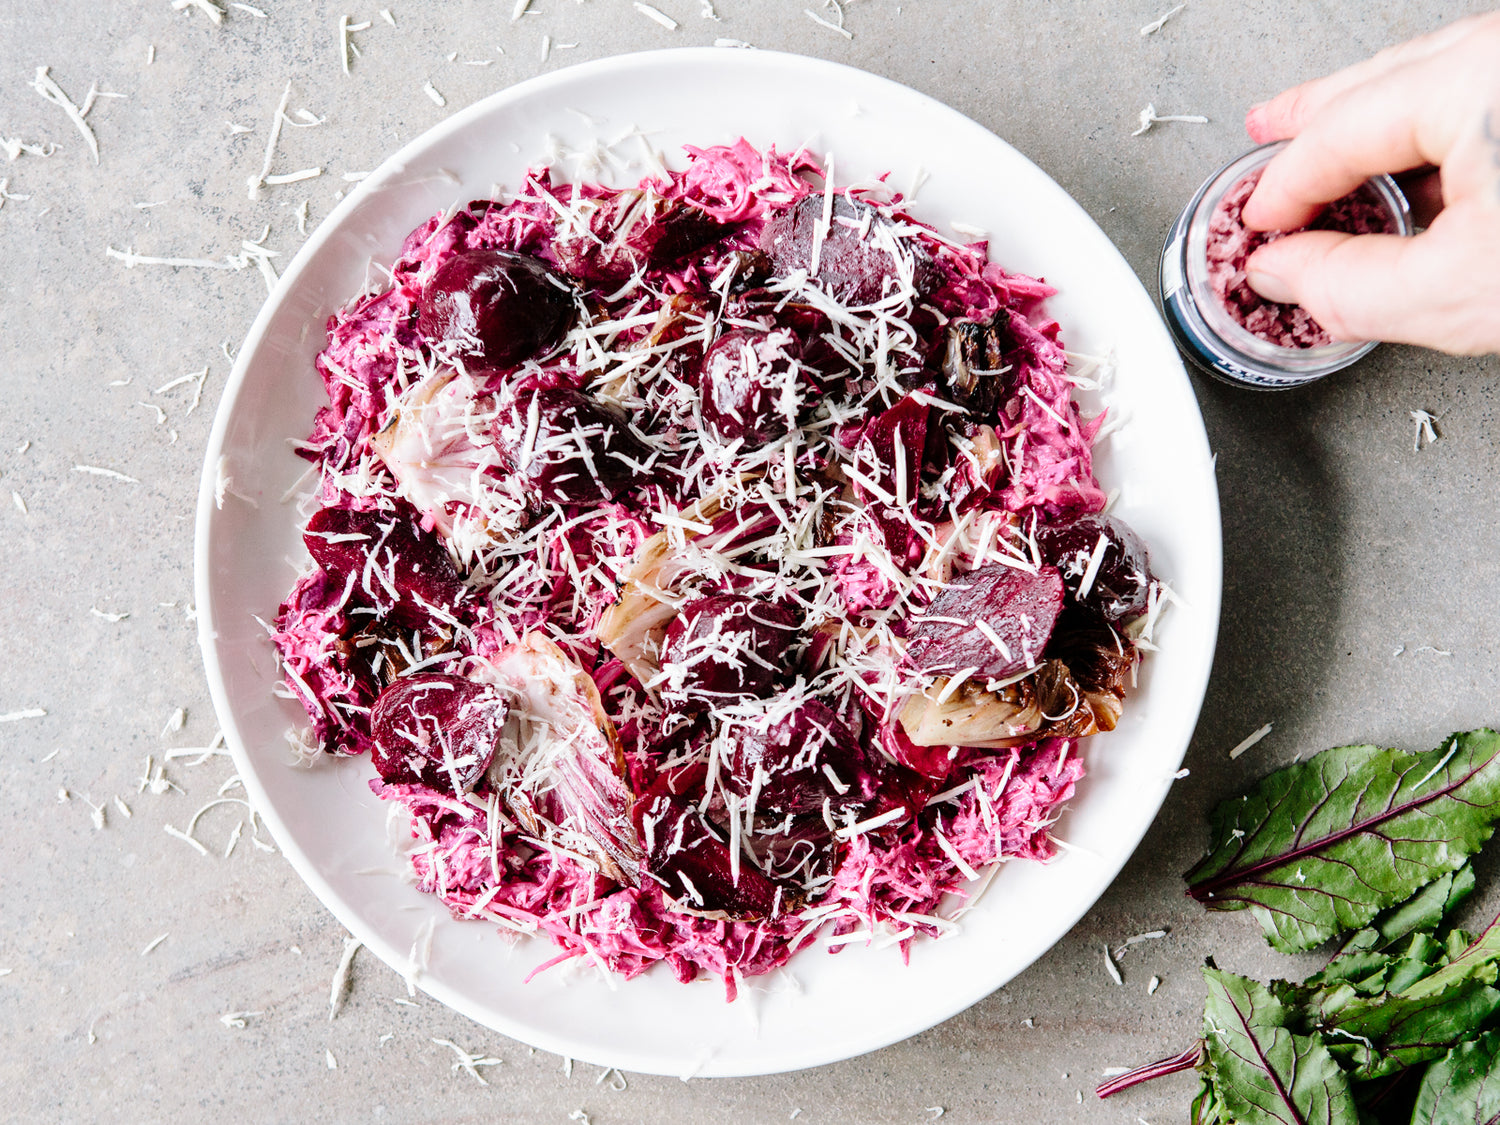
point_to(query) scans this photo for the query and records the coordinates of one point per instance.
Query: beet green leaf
(1325, 845)
(1462, 1088)
(1258, 1071)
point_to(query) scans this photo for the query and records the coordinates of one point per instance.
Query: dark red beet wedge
(1122, 582)
(725, 647)
(851, 268)
(803, 759)
(410, 566)
(436, 729)
(954, 633)
(500, 308)
(570, 448)
(692, 865)
(742, 385)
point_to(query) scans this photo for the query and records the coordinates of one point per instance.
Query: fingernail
(1271, 287)
(1257, 107)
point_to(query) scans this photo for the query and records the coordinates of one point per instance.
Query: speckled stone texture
(1360, 575)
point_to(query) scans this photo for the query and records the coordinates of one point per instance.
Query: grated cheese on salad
(711, 569)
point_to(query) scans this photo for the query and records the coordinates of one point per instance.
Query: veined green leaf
(1462, 1088)
(1261, 1073)
(1424, 911)
(1427, 997)
(1323, 846)
(1377, 1037)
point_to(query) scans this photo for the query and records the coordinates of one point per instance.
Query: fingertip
(1268, 209)
(1257, 124)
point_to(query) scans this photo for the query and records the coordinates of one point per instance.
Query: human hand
(1430, 104)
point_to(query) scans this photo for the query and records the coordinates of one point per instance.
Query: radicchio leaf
(1261, 1073)
(1324, 845)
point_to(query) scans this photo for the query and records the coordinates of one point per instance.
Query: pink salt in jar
(1223, 325)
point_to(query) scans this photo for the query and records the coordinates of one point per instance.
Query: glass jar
(1205, 331)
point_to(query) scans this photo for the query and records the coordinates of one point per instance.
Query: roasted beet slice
(436, 729)
(399, 568)
(570, 448)
(634, 230)
(750, 385)
(890, 451)
(724, 647)
(500, 307)
(798, 762)
(851, 267)
(1121, 583)
(991, 623)
(692, 865)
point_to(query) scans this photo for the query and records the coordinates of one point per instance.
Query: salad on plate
(711, 567)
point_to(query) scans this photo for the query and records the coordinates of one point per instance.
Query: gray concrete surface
(1342, 545)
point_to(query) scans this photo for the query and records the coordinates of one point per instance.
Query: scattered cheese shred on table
(1150, 117)
(656, 14)
(1111, 968)
(1160, 21)
(277, 118)
(467, 1061)
(1425, 431)
(340, 986)
(821, 22)
(1249, 741)
(47, 88)
(207, 7)
(94, 470)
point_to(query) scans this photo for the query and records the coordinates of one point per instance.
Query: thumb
(1358, 287)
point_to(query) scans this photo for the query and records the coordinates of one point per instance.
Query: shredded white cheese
(431, 91)
(821, 22)
(272, 137)
(1150, 117)
(655, 14)
(1111, 968)
(207, 7)
(1160, 21)
(1249, 741)
(1425, 429)
(339, 987)
(47, 88)
(467, 1061)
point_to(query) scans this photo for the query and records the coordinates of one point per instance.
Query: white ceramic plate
(822, 1008)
